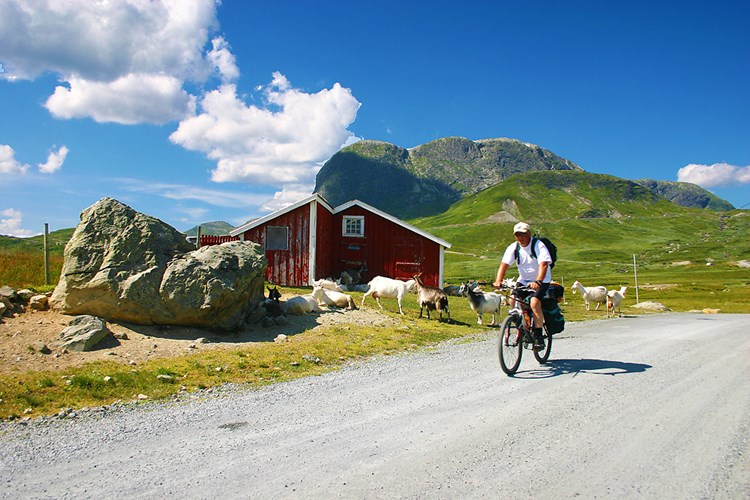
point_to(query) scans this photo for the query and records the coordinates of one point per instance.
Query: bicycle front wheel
(542, 355)
(510, 345)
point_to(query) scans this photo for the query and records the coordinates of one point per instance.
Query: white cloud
(132, 99)
(12, 225)
(281, 143)
(221, 58)
(103, 41)
(718, 174)
(113, 55)
(55, 161)
(291, 193)
(8, 162)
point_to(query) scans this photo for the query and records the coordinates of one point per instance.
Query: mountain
(598, 223)
(216, 228)
(427, 179)
(686, 194)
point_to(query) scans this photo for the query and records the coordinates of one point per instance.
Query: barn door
(409, 256)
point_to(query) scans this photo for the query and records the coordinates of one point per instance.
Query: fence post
(46, 254)
(635, 274)
(198, 242)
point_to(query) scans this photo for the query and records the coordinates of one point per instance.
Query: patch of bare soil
(22, 338)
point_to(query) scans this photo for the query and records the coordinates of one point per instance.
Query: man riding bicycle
(535, 272)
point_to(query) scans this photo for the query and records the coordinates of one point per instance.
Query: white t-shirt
(528, 266)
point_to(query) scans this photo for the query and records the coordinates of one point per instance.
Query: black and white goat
(483, 302)
(431, 298)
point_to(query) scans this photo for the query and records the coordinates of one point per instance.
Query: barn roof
(345, 206)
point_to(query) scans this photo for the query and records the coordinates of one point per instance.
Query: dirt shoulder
(22, 338)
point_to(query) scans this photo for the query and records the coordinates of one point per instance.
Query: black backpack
(547, 243)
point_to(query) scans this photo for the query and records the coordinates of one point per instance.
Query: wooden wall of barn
(387, 249)
(325, 235)
(287, 267)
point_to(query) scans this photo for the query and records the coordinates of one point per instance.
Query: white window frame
(345, 229)
(268, 239)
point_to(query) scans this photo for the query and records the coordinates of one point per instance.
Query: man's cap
(521, 227)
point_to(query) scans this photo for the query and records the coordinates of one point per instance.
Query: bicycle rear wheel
(542, 355)
(510, 345)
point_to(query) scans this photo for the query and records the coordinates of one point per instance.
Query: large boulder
(123, 265)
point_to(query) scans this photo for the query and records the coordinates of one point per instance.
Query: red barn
(310, 240)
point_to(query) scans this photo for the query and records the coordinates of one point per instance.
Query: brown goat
(431, 298)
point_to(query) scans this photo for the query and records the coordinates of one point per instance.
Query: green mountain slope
(686, 194)
(216, 228)
(598, 223)
(427, 179)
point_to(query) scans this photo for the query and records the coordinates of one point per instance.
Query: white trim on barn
(313, 251)
(262, 220)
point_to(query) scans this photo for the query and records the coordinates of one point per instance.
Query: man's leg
(536, 309)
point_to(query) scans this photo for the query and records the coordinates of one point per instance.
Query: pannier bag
(553, 316)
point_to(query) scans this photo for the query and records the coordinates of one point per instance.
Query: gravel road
(643, 407)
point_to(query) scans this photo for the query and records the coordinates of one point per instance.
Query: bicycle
(516, 333)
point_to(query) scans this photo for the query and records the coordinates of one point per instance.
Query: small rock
(142, 397)
(280, 338)
(201, 340)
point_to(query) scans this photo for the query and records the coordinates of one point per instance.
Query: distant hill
(216, 228)
(56, 242)
(427, 179)
(686, 194)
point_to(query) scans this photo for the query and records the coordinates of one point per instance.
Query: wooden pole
(635, 274)
(198, 234)
(46, 254)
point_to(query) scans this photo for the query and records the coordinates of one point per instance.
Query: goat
(333, 298)
(483, 302)
(431, 298)
(328, 285)
(453, 290)
(596, 294)
(614, 300)
(272, 304)
(380, 286)
(301, 304)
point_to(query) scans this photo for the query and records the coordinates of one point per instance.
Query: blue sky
(195, 111)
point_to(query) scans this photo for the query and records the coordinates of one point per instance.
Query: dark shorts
(539, 294)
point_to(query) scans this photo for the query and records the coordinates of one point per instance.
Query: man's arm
(500, 275)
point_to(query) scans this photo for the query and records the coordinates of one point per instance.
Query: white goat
(301, 304)
(328, 285)
(380, 286)
(333, 298)
(483, 302)
(614, 300)
(431, 298)
(596, 294)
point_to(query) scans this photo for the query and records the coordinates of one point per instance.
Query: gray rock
(123, 265)
(39, 303)
(83, 333)
(8, 293)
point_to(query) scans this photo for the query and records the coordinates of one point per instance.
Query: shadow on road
(557, 367)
